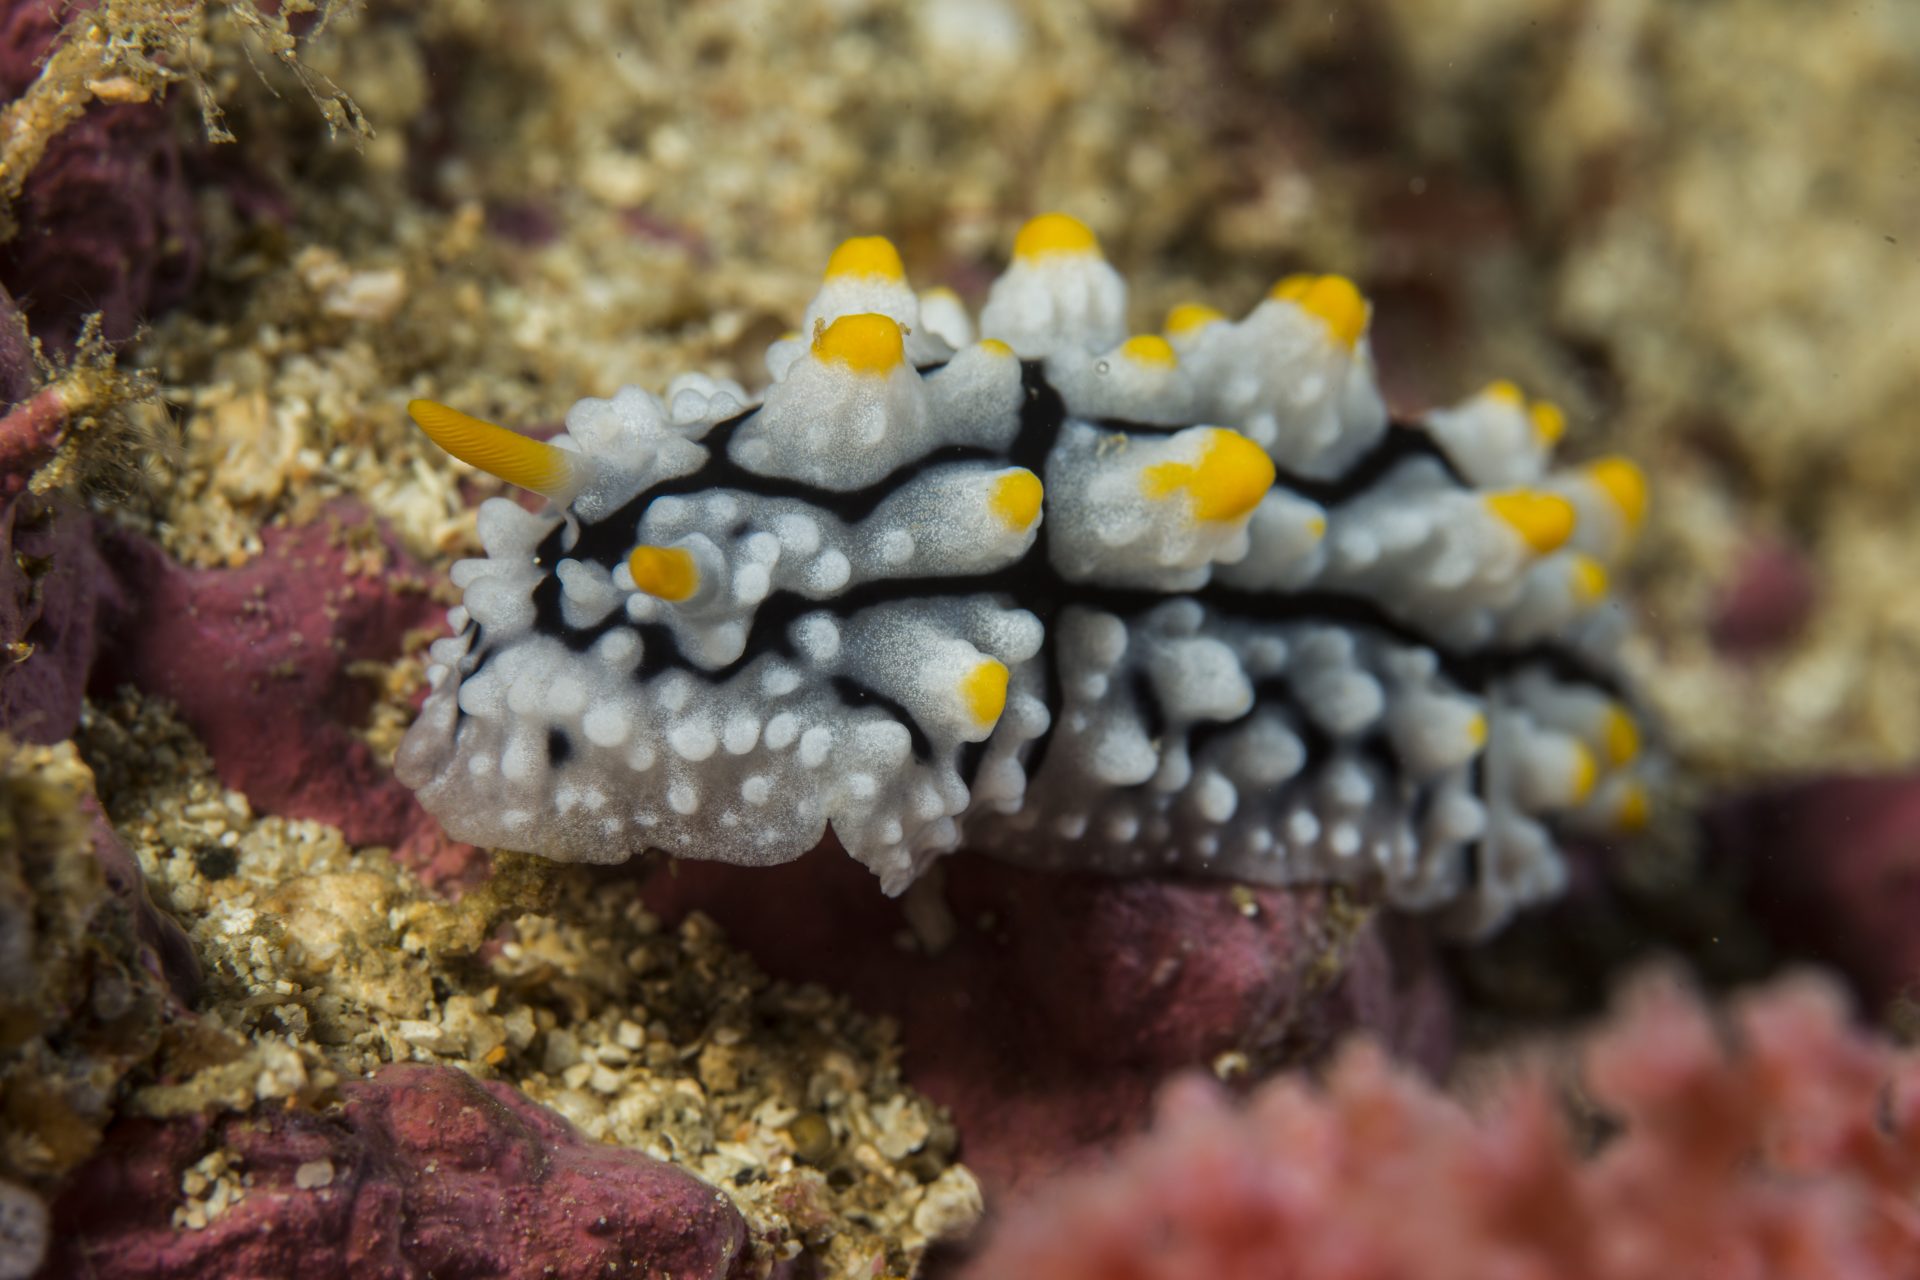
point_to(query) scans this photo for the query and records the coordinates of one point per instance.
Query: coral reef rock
(105, 220)
(1058, 1002)
(261, 660)
(1834, 867)
(421, 1171)
(91, 975)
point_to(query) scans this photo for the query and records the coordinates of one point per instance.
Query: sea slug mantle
(1184, 601)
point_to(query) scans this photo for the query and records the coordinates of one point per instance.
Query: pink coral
(1789, 1146)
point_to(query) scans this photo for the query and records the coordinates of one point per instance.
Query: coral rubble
(324, 966)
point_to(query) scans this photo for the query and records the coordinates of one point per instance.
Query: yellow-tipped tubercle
(1228, 481)
(1624, 483)
(667, 573)
(1546, 418)
(1544, 521)
(1589, 579)
(1016, 499)
(1150, 349)
(1585, 772)
(1333, 300)
(865, 343)
(1506, 392)
(985, 691)
(1635, 809)
(1477, 730)
(1189, 317)
(1549, 422)
(1054, 233)
(519, 460)
(866, 257)
(1620, 736)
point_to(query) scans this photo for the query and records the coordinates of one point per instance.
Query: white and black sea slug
(1040, 587)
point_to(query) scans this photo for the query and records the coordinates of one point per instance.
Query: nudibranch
(1080, 598)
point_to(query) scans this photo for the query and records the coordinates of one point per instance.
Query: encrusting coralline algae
(1085, 599)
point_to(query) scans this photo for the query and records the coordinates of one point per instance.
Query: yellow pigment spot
(667, 573)
(1506, 393)
(985, 691)
(866, 257)
(1624, 483)
(1589, 579)
(1543, 520)
(1054, 233)
(1317, 526)
(1620, 736)
(1016, 499)
(941, 292)
(1549, 423)
(1585, 772)
(1233, 474)
(1190, 317)
(1477, 730)
(517, 459)
(866, 343)
(1635, 808)
(1149, 349)
(1333, 300)
(995, 346)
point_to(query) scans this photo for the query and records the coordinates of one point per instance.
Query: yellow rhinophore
(868, 257)
(1189, 317)
(1054, 233)
(1624, 483)
(984, 690)
(1333, 300)
(1543, 520)
(1016, 498)
(667, 573)
(1589, 579)
(1233, 474)
(1620, 735)
(519, 460)
(866, 343)
(1150, 349)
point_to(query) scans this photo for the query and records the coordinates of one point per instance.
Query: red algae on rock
(261, 661)
(421, 1171)
(104, 221)
(1833, 865)
(1061, 1001)
(1786, 1144)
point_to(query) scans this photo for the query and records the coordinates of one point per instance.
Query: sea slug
(1187, 601)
